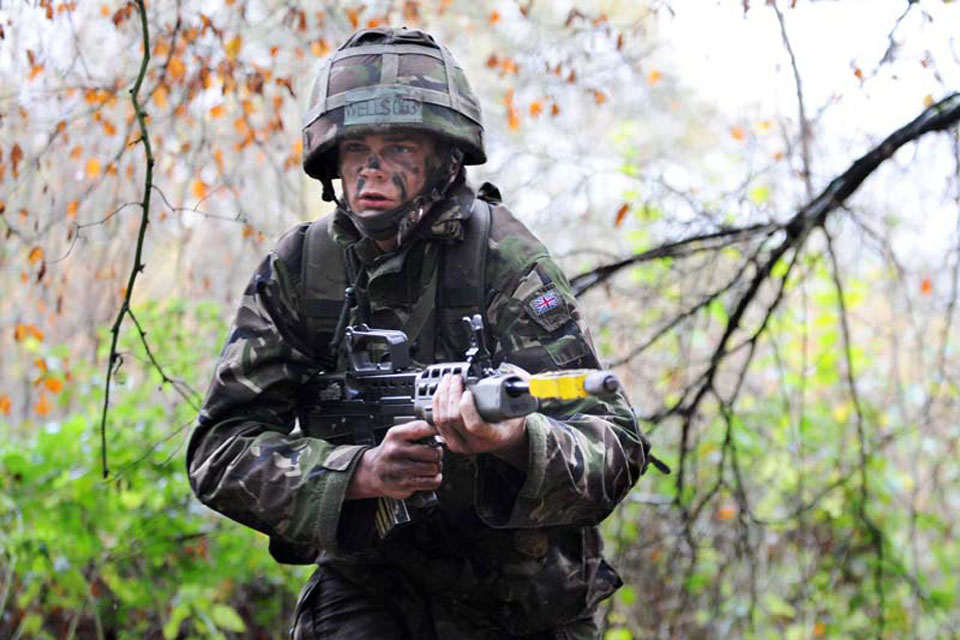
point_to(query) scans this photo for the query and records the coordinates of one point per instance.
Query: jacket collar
(443, 223)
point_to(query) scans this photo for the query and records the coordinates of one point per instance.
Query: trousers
(334, 608)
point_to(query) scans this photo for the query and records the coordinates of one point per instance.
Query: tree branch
(141, 235)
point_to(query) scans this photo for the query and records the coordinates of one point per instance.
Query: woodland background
(773, 277)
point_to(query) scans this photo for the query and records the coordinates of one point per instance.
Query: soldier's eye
(402, 148)
(354, 147)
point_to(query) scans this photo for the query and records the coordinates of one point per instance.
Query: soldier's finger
(472, 421)
(439, 401)
(412, 431)
(453, 398)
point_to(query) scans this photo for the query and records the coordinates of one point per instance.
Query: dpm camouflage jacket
(519, 550)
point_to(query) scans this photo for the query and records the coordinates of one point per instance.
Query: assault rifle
(383, 388)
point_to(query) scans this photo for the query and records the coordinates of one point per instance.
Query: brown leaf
(72, 209)
(35, 255)
(16, 155)
(621, 214)
(5, 402)
(599, 96)
(536, 108)
(926, 287)
(494, 17)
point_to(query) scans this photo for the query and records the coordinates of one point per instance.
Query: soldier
(513, 549)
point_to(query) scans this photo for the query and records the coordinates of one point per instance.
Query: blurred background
(783, 316)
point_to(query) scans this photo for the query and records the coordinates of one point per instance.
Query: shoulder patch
(547, 307)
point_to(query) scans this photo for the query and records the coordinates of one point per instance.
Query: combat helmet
(384, 78)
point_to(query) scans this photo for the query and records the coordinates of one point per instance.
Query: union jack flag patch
(545, 302)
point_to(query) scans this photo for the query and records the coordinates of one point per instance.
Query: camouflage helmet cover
(387, 77)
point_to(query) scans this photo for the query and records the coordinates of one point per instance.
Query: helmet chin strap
(401, 220)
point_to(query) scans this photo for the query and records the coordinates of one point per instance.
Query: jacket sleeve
(584, 455)
(242, 459)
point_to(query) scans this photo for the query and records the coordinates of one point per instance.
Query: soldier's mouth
(374, 200)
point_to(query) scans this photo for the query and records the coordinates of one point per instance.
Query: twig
(804, 123)
(876, 536)
(144, 221)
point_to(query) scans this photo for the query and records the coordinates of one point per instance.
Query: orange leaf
(35, 256)
(199, 189)
(232, 48)
(513, 117)
(599, 96)
(320, 47)
(247, 231)
(5, 404)
(819, 629)
(654, 77)
(492, 61)
(621, 214)
(76, 152)
(176, 68)
(218, 157)
(494, 17)
(53, 385)
(859, 73)
(926, 287)
(738, 133)
(535, 108)
(217, 111)
(160, 96)
(726, 512)
(16, 155)
(93, 167)
(353, 14)
(928, 100)
(20, 332)
(72, 209)
(109, 128)
(555, 110)
(373, 23)
(35, 70)
(3, 206)
(42, 407)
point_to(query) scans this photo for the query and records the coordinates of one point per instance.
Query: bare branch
(141, 117)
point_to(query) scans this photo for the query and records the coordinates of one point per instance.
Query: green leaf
(226, 617)
(759, 194)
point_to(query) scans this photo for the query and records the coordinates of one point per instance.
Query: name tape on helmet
(383, 109)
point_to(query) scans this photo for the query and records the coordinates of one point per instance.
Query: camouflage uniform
(508, 553)
(507, 550)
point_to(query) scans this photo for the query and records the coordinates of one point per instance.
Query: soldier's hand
(456, 418)
(399, 466)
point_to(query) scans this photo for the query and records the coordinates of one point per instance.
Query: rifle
(383, 387)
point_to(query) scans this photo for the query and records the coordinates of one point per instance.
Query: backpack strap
(463, 286)
(323, 275)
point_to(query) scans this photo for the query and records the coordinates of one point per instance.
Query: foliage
(133, 556)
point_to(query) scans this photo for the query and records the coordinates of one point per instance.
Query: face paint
(400, 180)
(373, 163)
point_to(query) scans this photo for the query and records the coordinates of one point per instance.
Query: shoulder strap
(323, 276)
(463, 285)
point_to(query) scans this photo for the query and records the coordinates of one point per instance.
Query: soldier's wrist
(516, 451)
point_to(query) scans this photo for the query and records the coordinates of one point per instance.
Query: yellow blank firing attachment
(570, 385)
